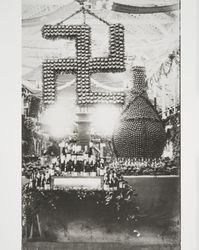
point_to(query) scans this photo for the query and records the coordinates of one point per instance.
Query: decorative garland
(26, 94)
(30, 123)
(165, 68)
(28, 126)
(34, 106)
(120, 204)
(32, 101)
(174, 121)
(83, 65)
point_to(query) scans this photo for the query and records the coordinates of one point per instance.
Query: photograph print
(100, 93)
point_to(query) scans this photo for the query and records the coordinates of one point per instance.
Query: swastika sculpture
(84, 64)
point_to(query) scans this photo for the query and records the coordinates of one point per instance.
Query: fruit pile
(139, 132)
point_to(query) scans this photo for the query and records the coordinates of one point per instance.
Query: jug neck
(138, 79)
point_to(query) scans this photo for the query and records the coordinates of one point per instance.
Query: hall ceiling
(149, 38)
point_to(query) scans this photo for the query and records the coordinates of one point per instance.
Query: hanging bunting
(165, 68)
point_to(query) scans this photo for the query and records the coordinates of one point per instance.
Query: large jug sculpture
(139, 132)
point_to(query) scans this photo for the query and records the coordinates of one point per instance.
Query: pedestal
(83, 122)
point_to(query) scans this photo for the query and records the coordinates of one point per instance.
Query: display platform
(77, 182)
(91, 215)
(158, 196)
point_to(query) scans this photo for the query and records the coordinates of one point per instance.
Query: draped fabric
(144, 10)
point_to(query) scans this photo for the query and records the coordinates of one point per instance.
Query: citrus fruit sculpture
(139, 132)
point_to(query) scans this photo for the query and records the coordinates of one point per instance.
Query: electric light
(104, 119)
(58, 121)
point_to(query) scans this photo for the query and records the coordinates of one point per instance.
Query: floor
(93, 246)
(151, 238)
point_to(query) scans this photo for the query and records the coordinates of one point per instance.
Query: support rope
(84, 11)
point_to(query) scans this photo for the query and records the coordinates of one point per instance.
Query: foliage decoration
(118, 205)
(174, 135)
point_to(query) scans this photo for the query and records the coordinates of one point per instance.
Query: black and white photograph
(101, 125)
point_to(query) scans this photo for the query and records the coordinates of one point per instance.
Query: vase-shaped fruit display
(139, 131)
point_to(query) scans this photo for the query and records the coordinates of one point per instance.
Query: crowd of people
(134, 166)
(112, 173)
(113, 179)
(40, 176)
